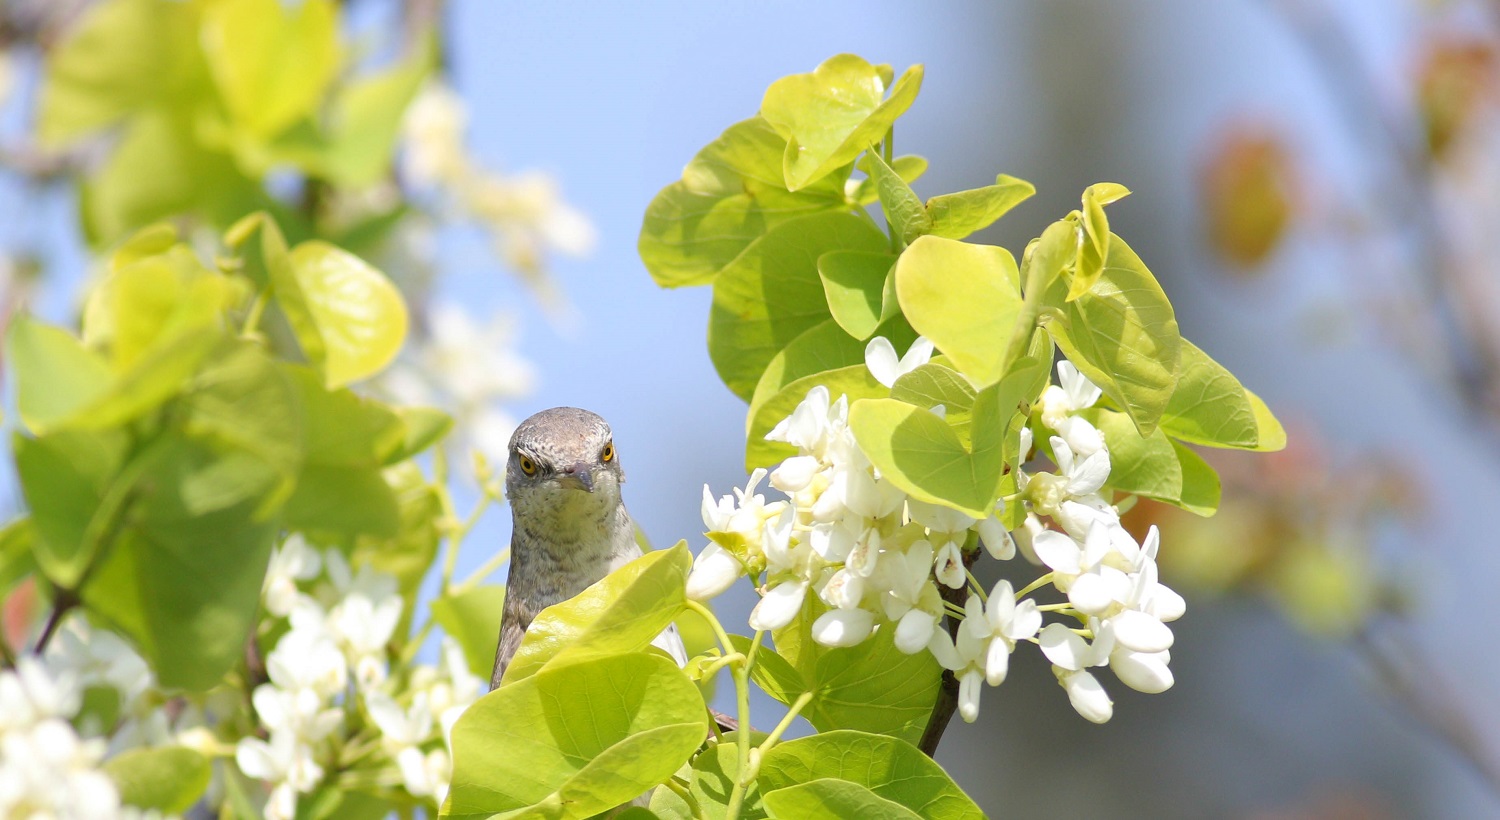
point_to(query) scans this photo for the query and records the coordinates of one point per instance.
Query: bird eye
(608, 453)
(528, 466)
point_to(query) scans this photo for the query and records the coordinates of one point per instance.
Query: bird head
(566, 456)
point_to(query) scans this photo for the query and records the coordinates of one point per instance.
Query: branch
(947, 700)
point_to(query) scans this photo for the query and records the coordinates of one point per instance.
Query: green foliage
(621, 613)
(797, 295)
(891, 769)
(167, 450)
(169, 779)
(528, 745)
(227, 93)
(471, 617)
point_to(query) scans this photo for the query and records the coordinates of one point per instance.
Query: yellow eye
(608, 453)
(528, 466)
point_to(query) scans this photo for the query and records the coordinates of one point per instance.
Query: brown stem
(947, 700)
(65, 600)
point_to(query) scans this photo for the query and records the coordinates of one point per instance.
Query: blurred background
(1316, 183)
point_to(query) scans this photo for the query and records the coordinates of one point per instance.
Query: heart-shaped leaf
(965, 298)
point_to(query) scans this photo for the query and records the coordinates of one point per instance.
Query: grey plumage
(570, 524)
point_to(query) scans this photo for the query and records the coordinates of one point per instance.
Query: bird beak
(580, 476)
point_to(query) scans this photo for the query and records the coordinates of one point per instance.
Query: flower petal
(843, 627)
(779, 606)
(1087, 697)
(1144, 633)
(915, 630)
(714, 570)
(880, 358)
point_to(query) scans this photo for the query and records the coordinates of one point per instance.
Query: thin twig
(947, 700)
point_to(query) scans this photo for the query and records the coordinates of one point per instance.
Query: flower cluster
(524, 213)
(330, 668)
(46, 768)
(876, 558)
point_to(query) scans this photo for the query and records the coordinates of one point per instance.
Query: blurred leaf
(241, 401)
(407, 555)
(965, 298)
(271, 62)
(904, 211)
(893, 769)
(834, 799)
(527, 744)
(730, 194)
(772, 293)
(854, 284)
(366, 119)
(332, 802)
(17, 540)
(67, 479)
(831, 115)
(157, 170)
(344, 429)
(472, 618)
(424, 427)
(622, 613)
(955, 216)
(1123, 335)
(55, 374)
(169, 779)
(352, 310)
(183, 579)
(98, 73)
(824, 346)
(343, 500)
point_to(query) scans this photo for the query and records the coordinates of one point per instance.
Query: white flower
(880, 358)
(813, 423)
(1086, 573)
(996, 539)
(434, 128)
(911, 599)
(714, 570)
(292, 562)
(400, 728)
(986, 637)
(30, 694)
(282, 759)
(307, 657)
(1071, 657)
(425, 774)
(1072, 393)
(1077, 480)
(843, 627)
(947, 529)
(787, 575)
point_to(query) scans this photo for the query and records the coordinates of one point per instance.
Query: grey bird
(570, 525)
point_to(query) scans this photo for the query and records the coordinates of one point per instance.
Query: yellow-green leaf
(965, 298)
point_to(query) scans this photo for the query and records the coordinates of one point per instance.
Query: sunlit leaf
(1123, 335)
(729, 195)
(833, 800)
(893, 769)
(832, 114)
(272, 62)
(621, 613)
(349, 309)
(956, 215)
(965, 298)
(854, 285)
(904, 211)
(528, 744)
(772, 293)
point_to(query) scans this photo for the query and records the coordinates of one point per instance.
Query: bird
(571, 528)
